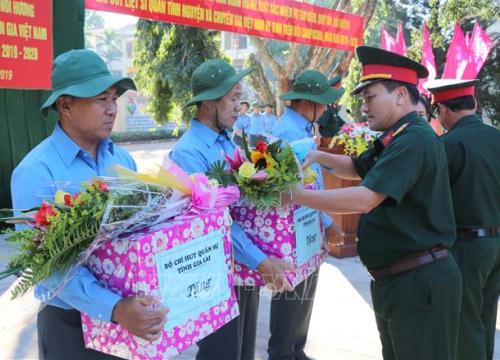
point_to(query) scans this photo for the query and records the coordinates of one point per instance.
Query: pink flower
(237, 159)
(260, 176)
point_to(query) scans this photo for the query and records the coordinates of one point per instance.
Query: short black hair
(424, 100)
(390, 85)
(462, 103)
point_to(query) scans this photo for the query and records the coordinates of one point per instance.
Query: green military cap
(245, 102)
(213, 79)
(378, 64)
(448, 89)
(313, 85)
(335, 81)
(84, 74)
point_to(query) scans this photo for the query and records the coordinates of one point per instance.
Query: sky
(117, 20)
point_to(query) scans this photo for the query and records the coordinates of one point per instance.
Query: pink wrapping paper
(273, 232)
(127, 266)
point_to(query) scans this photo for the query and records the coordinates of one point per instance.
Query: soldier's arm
(341, 165)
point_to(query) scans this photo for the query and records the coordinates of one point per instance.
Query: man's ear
(402, 94)
(63, 104)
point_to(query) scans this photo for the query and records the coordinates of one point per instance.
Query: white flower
(206, 329)
(259, 221)
(190, 327)
(266, 234)
(120, 245)
(223, 306)
(220, 220)
(279, 226)
(94, 264)
(286, 249)
(250, 281)
(182, 332)
(150, 260)
(146, 247)
(235, 310)
(132, 257)
(197, 227)
(268, 222)
(119, 271)
(291, 228)
(108, 266)
(248, 224)
(243, 210)
(159, 240)
(140, 286)
(216, 310)
(186, 233)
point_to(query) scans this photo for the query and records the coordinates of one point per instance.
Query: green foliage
(165, 56)
(141, 136)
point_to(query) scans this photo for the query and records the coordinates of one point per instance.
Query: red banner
(276, 19)
(25, 44)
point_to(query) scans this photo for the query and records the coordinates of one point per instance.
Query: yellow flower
(61, 197)
(255, 156)
(310, 176)
(247, 170)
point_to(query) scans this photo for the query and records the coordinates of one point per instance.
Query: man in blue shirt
(243, 121)
(217, 90)
(84, 95)
(291, 311)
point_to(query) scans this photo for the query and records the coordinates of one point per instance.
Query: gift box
(188, 262)
(292, 233)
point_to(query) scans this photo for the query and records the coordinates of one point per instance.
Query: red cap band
(453, 93)
(377, 71)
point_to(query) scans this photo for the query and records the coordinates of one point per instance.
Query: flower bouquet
(355, 138)
(261, 174)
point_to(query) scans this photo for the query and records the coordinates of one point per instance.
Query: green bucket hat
(213, 79)
(83, 74)
(313, 85)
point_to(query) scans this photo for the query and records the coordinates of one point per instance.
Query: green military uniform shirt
(408, 164)
(474, 172)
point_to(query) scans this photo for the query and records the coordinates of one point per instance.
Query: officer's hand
(334, 232)
(143, 317)
(273, 270)
(310, 159)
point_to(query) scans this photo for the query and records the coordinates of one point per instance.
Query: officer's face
(380, 106)
(89, 120)
(228, 108)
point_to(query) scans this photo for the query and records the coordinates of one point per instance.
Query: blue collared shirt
(293, 126)
(242, 123)
(195, 152)
(261, 124)
(59, 163)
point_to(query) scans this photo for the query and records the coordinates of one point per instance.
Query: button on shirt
(293, 126)
(59, 163)
(195, 152)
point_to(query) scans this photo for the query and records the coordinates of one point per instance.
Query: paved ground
(342, 325)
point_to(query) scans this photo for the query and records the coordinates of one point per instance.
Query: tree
(293, 58)
(165, 57)
(93, 21)
(108, 46)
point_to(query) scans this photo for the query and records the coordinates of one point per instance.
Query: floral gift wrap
(292, 233)
(188, 263)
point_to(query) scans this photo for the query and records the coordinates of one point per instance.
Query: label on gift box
(193, 277)
(307, 233)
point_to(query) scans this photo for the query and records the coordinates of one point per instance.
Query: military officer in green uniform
(407, 223)
(330, 121)
(472, 150)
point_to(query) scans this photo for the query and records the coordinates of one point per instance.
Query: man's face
(268, 110)
(244, 109)
(380, 106)
(256, 110)
(228, 107)
(92, 118)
